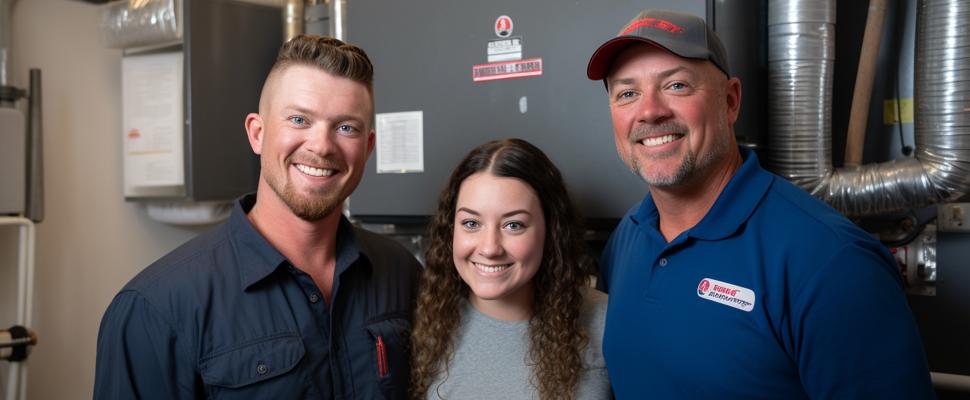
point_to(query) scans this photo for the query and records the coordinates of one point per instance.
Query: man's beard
(684, 171)
(316, 205)
(309, 208)
(689, 166)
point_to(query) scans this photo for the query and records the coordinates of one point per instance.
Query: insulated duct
(800, 59)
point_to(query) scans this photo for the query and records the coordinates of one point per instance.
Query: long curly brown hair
(564, 271)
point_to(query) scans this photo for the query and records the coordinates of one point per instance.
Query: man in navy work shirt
(286, 300)
(727, 281)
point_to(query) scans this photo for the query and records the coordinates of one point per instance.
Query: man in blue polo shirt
(727, 281)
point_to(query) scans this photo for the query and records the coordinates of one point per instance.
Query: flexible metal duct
(801, 54)
(800, 59)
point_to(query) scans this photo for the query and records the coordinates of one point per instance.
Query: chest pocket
(391, 339)
(256, 369)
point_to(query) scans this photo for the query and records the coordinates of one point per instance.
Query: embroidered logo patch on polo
(725, 293)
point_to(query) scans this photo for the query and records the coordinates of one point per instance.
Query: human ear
(733, 98)
(254, 132)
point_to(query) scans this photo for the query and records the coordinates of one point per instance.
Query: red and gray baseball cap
(683, 34)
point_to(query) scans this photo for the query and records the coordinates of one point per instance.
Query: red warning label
(507, 70)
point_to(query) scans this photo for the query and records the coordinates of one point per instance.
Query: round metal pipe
(951, 381)
(292, 19)
(34, 206)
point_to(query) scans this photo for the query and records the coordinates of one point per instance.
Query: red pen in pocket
(381, 357)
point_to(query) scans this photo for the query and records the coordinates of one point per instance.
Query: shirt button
(314, 298)
(261, 369)
(663, 262)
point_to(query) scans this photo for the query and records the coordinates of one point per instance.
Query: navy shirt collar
(259, 259)
(732, 208)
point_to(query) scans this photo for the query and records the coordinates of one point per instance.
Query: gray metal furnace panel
(942, 319)
(423, 53)
(230, 47)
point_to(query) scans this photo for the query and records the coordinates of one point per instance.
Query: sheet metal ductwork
(800, 63)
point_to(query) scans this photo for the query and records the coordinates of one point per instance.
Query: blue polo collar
(730, 211)
(258, 258)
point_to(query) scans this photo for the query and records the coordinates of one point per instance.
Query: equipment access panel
(450, 75)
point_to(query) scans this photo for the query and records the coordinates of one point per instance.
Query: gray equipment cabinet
(228, 48)
(424, 52)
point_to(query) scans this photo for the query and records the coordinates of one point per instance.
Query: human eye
(298, 120)
(469, 224)
(347, 129)
(678, 86)
(625, 96)
(515, 226)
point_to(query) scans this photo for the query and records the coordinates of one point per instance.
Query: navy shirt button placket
(314, 298)
(261, 369)
(663, 262)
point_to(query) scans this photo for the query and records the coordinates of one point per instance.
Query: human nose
(320, 141)
(491, 244)
(653, 108)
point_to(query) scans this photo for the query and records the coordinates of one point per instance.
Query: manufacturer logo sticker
(727, 294)
(503, 26)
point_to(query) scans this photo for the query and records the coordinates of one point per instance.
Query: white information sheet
(151, 89)
(400, 142)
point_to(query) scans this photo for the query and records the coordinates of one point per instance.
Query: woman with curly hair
(505, 310)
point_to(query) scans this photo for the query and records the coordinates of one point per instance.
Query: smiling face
(498, 240)
(313, 133)
(671, 115)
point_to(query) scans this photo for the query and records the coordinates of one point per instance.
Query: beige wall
(91, 241)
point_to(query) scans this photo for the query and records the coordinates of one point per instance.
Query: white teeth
(656, 141)
(314, 171)
(491, 268)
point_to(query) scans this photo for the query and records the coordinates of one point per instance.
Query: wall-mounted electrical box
(192, 70)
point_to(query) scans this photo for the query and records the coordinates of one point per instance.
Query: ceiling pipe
(292, 19)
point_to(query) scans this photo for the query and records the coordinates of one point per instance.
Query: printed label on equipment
(725, 293)
(505, 49)
(897, 111)
(507, 70)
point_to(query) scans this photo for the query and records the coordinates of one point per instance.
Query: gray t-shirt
(491, 358)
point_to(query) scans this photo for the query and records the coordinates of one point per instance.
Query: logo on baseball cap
(682, 34)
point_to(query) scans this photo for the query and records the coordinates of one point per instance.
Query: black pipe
(35, 152)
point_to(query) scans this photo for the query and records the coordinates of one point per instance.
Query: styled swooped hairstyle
(558, 296)
(330, 55)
